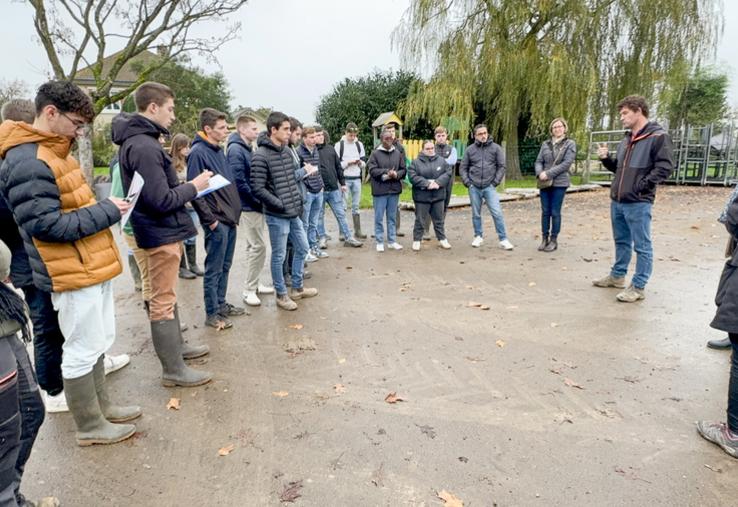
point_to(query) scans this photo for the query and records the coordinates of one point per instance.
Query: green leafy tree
(505, 60)
(703, 100)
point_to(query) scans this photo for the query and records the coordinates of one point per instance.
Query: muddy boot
(92, 427)
(357, 227)
(113, 413)
(189, 350)
(191, 252)
(167, 340)
(552, 245)
(135, 272)
(397, 224)
(183, 271)
(544, 242)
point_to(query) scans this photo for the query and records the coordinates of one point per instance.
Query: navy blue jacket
(314, 182)
(238, 154)
(223, 205)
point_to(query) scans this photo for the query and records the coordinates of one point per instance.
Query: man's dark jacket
(223, 205)
(643, 161)
(380, 163)
(239, 154)
(273, 180)
(159, 217)
(330, 167)
(314, 182)
(483, 165)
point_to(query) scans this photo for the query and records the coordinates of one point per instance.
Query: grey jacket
(726, 299)
(483, 165)
(563, 154)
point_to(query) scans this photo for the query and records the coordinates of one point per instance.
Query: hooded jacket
(422, 171)
(273, 179)
(380, 163)
(65, 231)
(643, 161)
(238, 154)
(223, 205)
(330, 167)
(483, 165)
(159, 217)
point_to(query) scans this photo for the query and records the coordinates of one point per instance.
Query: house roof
(385, 118)
(125, 77)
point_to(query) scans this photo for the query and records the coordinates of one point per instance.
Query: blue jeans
(385, 205)
(552, 198)
(354, 190)
(311, 216)
(219, 247)
(47, 339)
(280, 229)
(196, 221)
(631, 230)
(334, 199)
(492, 199)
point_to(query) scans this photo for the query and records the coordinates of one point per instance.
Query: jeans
(252, 225)
(492, 199)
(47, 339)
(385, 205)
(219, 247)
(21, 414)
(311, 215)
(280, 229)
(425, 211)
(87, 320)
(196, 221)
(631, 230)
(354, 191)
(334, 199)
(552, 198)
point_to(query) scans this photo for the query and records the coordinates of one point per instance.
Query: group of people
(62, 255)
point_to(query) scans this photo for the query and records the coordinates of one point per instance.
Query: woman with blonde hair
(552, 166)
(178, 151)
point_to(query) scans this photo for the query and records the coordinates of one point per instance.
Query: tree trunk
(84, 149)
(512, 155)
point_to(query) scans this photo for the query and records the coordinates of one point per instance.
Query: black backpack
(340, 149)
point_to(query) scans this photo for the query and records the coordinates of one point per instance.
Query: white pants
(87, 321)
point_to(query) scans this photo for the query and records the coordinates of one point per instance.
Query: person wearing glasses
(429, 175)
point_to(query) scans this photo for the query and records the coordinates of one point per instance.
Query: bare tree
(15, 89)
(81, 31)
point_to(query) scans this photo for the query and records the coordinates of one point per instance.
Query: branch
(41, 23)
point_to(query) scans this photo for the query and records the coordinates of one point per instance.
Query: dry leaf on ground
(473, 304)
(450, 500)
(569, 382)
(500, 343)
(280, 394)
(173, 403)
(483, 307)
(225, 451)
(342, 360)
(392, 398)
(296, 326)
(554, 324)
(291, 492)
(339, 388)
(532, 284)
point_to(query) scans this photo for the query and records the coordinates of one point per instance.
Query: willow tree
(507, 60)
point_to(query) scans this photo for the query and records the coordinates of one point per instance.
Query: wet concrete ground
(555, 395)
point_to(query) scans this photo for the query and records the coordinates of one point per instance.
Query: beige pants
(163, 272)
(252, 228)
(139, 254)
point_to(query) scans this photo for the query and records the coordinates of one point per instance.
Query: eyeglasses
(78, 124)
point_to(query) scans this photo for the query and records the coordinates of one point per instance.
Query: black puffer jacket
(643, 161)
(380, 162)
(273, 180)
(422, 171)
(330, 167)
(159, 217)
(20, 267)
(483, 165)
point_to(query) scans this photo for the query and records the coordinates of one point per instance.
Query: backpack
(340, 149)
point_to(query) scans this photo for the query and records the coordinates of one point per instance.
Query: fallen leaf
(500, 343)
(225, 451)
(474, 359)
(473, 304)
(280, 394)
(695, 227)
(483, 307)
(342, 360)
(392, 398)
(532, 284)
(554, 324)
(296, 326)
(291, 492)
(339, 388)
(220, 326)
(173, 403)
(569, 382)
(449, 499)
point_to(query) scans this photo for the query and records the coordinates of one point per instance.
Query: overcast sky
(291, 52)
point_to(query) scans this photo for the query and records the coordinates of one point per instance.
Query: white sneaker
(444, 244)
(251, 299)
(115, 363)
(310, 258)
(55, 404)
(265, 289)
(320, 254)
(416, 246)
(380, 247)
(395, 246)
(506, 245)
(477, 241)
(323, 243)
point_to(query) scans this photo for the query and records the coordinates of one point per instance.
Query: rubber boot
(92, 427)
(552, 245)
(168, 345)
(190, 351)
(357, 227)
(544, 242)
(397, 224)
(135, 272)
(183, 271)
(113, 413)
(191, 252)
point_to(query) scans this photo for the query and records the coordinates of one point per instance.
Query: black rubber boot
(191, 252)
(357, 227)
(397, 224)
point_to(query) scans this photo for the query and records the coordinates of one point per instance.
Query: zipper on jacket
(626, 162)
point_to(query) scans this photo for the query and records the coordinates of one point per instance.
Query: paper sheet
(134, 191)
(215, 182)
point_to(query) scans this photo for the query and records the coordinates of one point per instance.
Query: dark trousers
(552, 198)
(733, 385)
(219, 245)
(422, 212)
(47, 339)
(21, 415)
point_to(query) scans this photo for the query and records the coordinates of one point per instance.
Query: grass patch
(100, 171)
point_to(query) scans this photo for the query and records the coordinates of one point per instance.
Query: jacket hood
(266, 141)
(127, 125)
(235, 138)
(650, 128)
(15, 133)
(485, 143)
(428, 158)
(202, 138)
